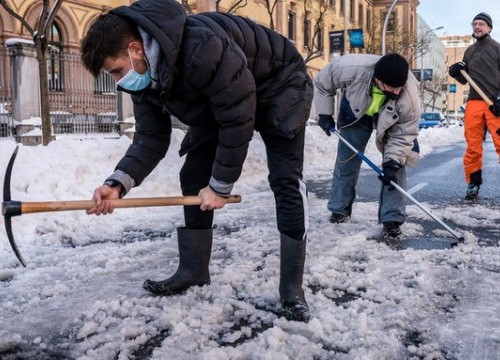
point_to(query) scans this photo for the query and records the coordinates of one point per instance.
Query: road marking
(416, 188)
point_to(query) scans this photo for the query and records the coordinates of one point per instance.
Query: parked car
(432, 119)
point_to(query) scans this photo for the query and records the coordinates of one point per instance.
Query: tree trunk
(44, 93)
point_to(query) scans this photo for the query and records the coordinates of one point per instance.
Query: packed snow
(81, 295)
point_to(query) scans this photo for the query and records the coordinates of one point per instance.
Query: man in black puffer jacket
(224, 76)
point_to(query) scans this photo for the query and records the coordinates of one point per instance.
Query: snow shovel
(397, 187)
(14, 208)
(479, 91)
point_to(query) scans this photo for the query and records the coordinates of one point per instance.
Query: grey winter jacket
(397, 125)
(222, 75)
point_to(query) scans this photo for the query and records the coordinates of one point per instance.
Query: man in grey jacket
(375, 93)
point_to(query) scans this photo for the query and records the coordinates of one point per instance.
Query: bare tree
(419, 48)
(434, 87)
(398, 40)
(317, 10)
(40, 35)
(233, 8)
(187, 6)
(271, 8)
(373, 43)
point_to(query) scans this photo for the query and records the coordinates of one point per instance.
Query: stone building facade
(456, 93)
(77, 98)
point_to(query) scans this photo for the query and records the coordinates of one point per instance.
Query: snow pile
(81, 296)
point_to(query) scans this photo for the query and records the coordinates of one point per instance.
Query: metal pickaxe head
(10, 208)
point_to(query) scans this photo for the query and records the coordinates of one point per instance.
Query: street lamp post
(345, 28)
(386, 22)
(422, 88)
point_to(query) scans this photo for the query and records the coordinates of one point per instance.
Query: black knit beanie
(485, 17)
(392, 69)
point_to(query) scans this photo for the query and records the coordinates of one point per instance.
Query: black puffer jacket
(222, 75)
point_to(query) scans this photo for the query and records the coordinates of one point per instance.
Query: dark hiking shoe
(392, 229)
(337, 218)
(296, 310)
(472, 192)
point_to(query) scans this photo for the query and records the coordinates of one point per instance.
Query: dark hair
(108, 36)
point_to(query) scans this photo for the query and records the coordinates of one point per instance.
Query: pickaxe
(14, 208)
(479, 91)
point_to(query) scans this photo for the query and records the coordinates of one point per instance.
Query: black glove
(327, 123)
(389, 169)
(495, 107)
(455, 73)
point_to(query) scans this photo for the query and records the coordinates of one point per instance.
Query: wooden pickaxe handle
(13, 208)
(479, 91)
(476, 87)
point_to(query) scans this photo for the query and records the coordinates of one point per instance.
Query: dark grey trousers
(285, 158)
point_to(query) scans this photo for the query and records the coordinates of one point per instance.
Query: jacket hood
(164, 20)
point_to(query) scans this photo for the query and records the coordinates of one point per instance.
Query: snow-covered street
(81, 295)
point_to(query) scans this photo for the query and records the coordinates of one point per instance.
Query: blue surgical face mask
(133, 81)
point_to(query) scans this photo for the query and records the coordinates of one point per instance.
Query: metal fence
(79, 103)
(83, 123)
(6, 120)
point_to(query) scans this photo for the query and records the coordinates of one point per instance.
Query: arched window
(54, 61)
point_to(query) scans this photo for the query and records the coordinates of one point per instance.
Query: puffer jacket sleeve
(351, 74)
(220, 71)
(325, 87)
(397, 141)
(151, 141)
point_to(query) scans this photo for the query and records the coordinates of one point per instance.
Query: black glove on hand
(389, 169)
(327, 123)
(495, 108)
(455, 73)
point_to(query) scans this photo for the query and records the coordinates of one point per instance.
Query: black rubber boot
(476, 179)
(293, 302)
(195, 247)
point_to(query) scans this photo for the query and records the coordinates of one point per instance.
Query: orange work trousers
(476, 119)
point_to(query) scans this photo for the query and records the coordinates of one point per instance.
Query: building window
(332, 3)
(351, 10)
(342, 7)
(412, 27)
(54, 62)
(391, 25)
(369, 20)
(104, 84)
(319, 40)
(360, 15)
(307, 32)
(291, 25)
